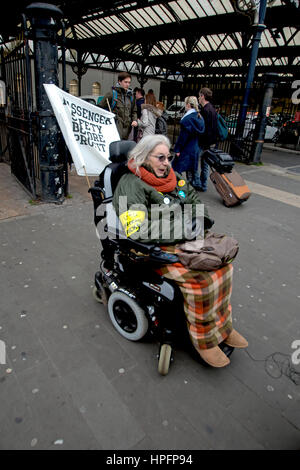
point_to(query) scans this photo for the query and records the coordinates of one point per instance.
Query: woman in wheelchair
(151, 201)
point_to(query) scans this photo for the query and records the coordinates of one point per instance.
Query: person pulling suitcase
(208, 139)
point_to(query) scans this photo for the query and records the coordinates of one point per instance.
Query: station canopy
(174, 39)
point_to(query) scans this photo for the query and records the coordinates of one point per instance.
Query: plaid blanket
(206, 301)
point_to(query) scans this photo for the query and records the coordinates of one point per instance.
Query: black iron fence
(20, 129)
(282, 131)
(241, 150)
(18, 121)
(227, 99)
(4, 153)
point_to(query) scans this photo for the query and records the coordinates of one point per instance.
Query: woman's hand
(134, 123)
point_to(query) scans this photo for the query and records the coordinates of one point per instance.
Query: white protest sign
(87, 129)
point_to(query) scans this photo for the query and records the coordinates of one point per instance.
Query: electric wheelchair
(140, 302)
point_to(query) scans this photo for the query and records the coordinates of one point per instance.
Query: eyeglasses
(162, 158)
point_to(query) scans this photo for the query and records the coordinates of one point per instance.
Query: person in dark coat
(187, 145)
(139, 99)
(123, 106)
(209, 138)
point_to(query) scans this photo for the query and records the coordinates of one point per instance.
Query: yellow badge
(181, 183)
(131, 221)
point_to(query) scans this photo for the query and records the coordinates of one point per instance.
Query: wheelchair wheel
(127, 316)
(164, 359)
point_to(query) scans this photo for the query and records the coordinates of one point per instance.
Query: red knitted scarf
(163, 185)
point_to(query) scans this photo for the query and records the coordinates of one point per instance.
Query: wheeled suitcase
(220, 161)
(231, 186)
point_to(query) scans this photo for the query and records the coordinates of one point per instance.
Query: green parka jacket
(124, 109)
(167, 218)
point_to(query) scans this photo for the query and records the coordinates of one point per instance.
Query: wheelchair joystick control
(163, 257)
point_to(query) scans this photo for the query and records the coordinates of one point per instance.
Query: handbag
(208, 254)
(139, 134)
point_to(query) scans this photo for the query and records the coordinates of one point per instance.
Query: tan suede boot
(236, 340)
(214, 357)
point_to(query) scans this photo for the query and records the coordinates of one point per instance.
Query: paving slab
(70, 381)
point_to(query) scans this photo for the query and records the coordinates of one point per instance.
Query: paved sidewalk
(16, 201)
(70, 381)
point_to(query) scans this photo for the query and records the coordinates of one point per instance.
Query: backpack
(222, 127)
(161, 126)
(115, 98)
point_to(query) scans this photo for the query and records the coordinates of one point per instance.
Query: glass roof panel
(125, 18)
(175, 6)
(229, 43)
(173, 47)
(96, 26)
(208, 8)
(118, 24)
(219, 41)
(187, 9)
(277, 3)
(130, 19)
(156, 51)
(289, 32)
(196, 5)
(165, 45)
(141, 20)
(148, 14)
(81, 32)
(130, 16)
(163, 13)
(201, 46)
(106, 28)
(269, 39)
(225, 7)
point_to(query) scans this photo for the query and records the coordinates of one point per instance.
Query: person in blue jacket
(187, 145)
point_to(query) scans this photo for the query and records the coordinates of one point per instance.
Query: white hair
(145, 146)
